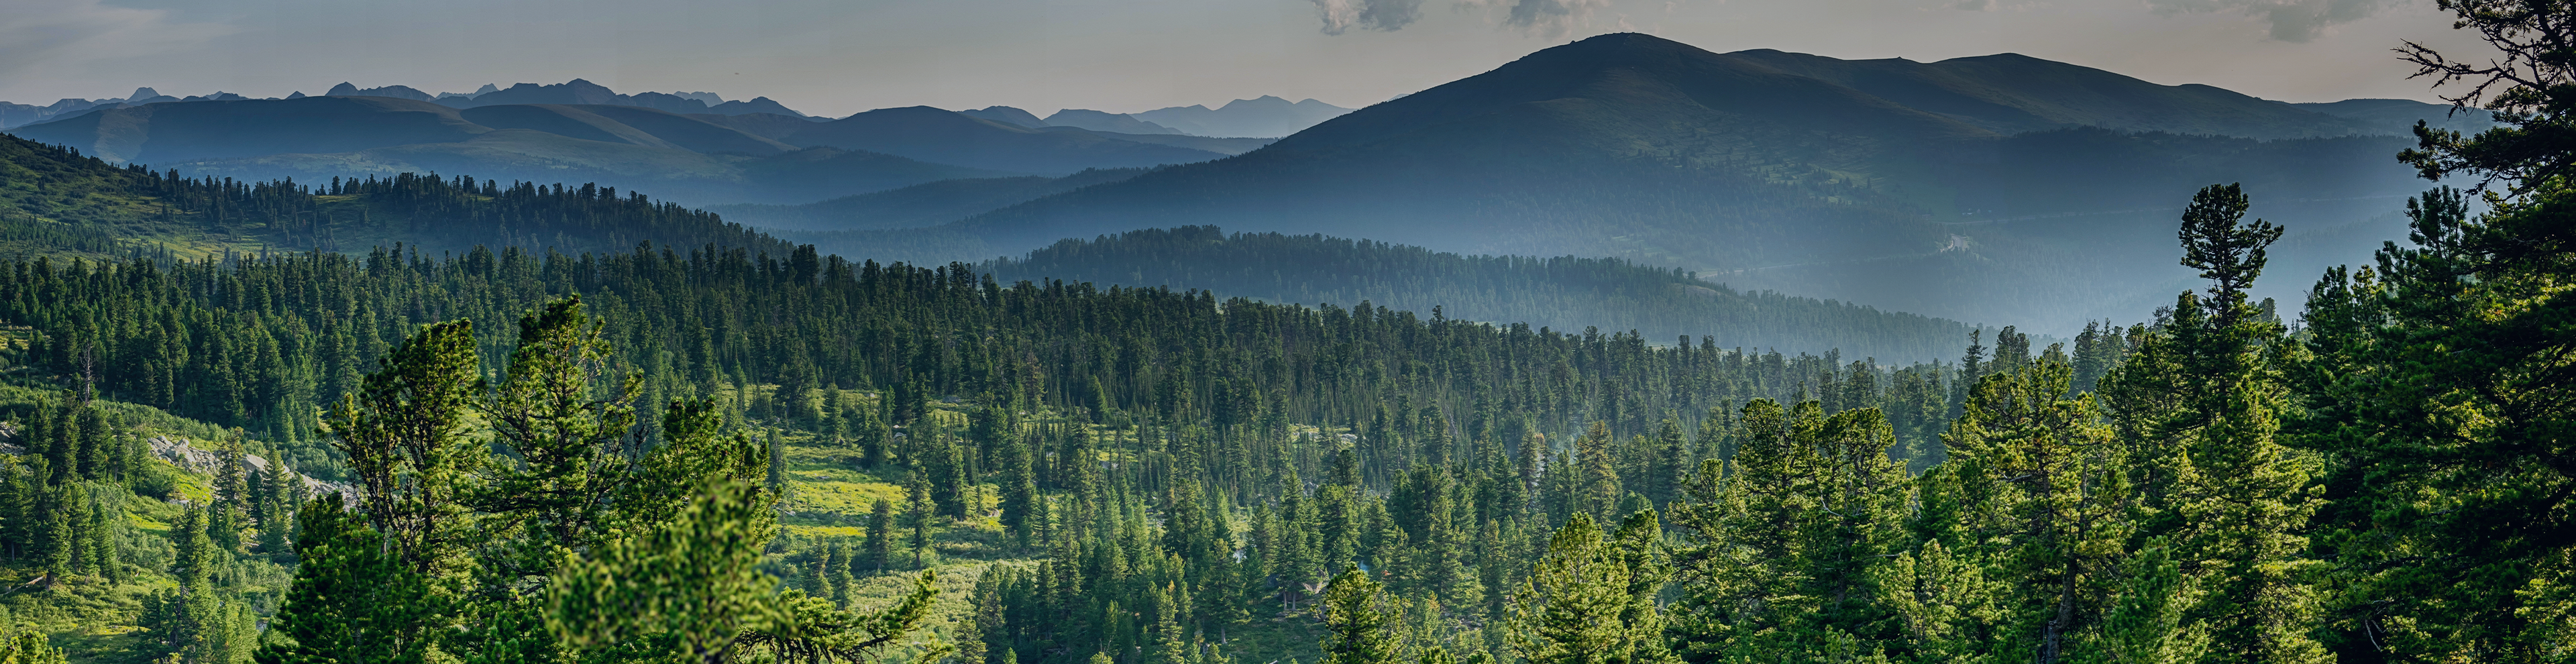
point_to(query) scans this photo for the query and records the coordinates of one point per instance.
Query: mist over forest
(1622, 351)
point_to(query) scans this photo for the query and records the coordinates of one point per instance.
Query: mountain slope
(681, 175)
(317, 138)
(1770, 170)
(2398, 116)
(1007, 114)
(227, 129)
(949, 137)
(1103, 121)
(627, 124)
(53, 201)
(1266, 116)
(1565, 293)
(2012, 93)
(917, 205)
(1548, 155)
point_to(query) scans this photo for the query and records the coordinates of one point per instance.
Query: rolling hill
(917, 205)
(54, 201)
(86, 206)
(1263, 116)
(1565, 293)
(949, 137)
(1944, 188)
(683, 157)
(699, 158)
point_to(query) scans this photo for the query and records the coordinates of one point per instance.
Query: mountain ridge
(1670, 155)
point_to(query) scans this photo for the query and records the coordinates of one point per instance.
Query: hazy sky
(835, 57)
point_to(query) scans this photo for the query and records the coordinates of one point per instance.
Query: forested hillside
(1995, 189)
(703, 158)
(706, 446)
(1145, 475)
(838, 359)
(924, 204)
(57, 200)
(1565, 293)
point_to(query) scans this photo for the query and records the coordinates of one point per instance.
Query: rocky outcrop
(183, 453)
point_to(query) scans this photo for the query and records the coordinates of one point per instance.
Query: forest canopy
(724, 448)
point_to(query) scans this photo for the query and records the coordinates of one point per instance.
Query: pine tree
(103, 530)
(919, 510)
(843, 584)
(24, 645)
(562, 411)
(1579, 607)
(814, 576)
(352, 602)
(62, 536)
(2244, 496)
(2046, 511)
(1597, 489)
(1356, 622)
(277, 516)
(2147, 623)
(689, 587)
(2438, 374)
(404, 434)
(1020, 498)
(881, 536)
(1671, 465)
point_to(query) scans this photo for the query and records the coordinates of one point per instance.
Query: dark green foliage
(1566, 293)
(1357, 621)
(353, 601)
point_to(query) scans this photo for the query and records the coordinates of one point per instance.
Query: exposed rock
(179, 452)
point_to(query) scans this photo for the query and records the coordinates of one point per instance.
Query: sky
(836, 57)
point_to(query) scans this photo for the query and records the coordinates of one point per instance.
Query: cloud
(2290, 20)
(1996, 5)
(1551, 18)
(1547, 18)
(1342, 15)
(51, 33)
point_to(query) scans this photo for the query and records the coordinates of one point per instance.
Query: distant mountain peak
(141, 94)
(1105, 121)
(1007, 114)
(1266, 116)
(345, 89)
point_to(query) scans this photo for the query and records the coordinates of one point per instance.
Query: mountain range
(1261, 116)
(1267, 116)
(1995, 189)
(576, 91)
(702, 158)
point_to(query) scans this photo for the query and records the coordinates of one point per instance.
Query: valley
(1616, 350)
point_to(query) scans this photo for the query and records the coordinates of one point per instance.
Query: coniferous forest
(627, 431)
